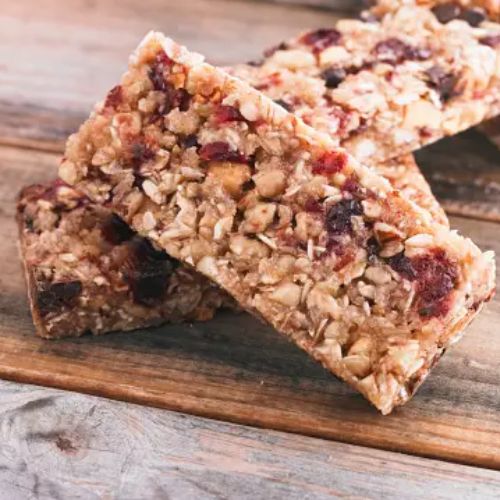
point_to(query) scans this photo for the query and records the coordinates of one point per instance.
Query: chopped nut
(232, 176)
(270, 183)
(287, 294)
(258, 218)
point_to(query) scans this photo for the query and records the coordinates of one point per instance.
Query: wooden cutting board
(231, 368)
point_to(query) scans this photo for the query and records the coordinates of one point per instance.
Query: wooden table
(315, 438)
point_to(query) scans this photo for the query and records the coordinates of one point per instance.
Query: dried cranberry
(443, 82)
(313, 206)
(114, 97)
(351, 185)
(395, 51)
(446, 12)
(147, 271)
(473, 16)
(141, 153)
(115, 231)
(190, 141)
(281, 46)
(333, 77)
(321, 39)
(402, 265)
(225, 114)
(338, 218)
(330, 163)
(157, 72)
(491, 41)
(221, 151)
(51, 297)
(284, 104)
(436, 277)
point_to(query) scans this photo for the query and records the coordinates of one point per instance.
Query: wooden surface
(56, 59)
(233, 368)
(61, 445)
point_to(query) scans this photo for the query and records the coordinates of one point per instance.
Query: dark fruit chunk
(443, 82)
(284, 104)
(115, 231)
(51, 297)
(225, 114)
(372, 249)
(446, 12)
(220, 151)
(281, 46)
(190, 141)
(473, 16)
(338, 218)
(141, 153)
(333, 77)
(321, 39)
(491, 41)
(395, 51)
(147, 271)
(402, 265)
(437, 277)
(330, 163)
(114, 97)
(156, 73)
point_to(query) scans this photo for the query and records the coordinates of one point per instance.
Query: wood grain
(57, 59)
(235, 369)
(61, 445)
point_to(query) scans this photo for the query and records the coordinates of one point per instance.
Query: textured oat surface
(294, 228)
(88, 272)
(392, 84)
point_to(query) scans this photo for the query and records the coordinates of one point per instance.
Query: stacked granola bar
(194, 172)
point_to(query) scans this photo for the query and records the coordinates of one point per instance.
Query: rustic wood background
(56, 59)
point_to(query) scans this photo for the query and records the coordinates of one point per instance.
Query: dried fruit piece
(444, 83)
(221, 151)
(330, 163)
(115, 230)
(395, 51)
(333, 77)
(339, 216)
(446, 12)
(321, 39)
(51, 297)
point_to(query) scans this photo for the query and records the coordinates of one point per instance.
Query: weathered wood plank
(235, 369)
(61, 445)
(50, 78)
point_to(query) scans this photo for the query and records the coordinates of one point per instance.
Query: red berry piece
(225, 114)
(492, 41)
(221, 151)
(114, 97)
(321, 39)
(330, 163)
(395, 51)
(281, 46)
(157, 72)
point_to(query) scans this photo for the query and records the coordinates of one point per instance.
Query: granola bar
(87, 271)
(392, 84)
(472, 11)
(293, 227)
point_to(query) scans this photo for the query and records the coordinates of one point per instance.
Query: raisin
(372, 249)
(443, 82)
(330, 163)
(446, 12)
(284, 104)
(314, 206)
(140, 153)
(338, 218)
(321, 39)
(473, 16)
(333, 77)
(157, 71)
(402, 265)
(395, 51)
(51, 297)
(147, 271)
(114, 97)
(190, 141)
(492, 41)
(281, 46)
(225, 114)
(221, 151)
(115, 231)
